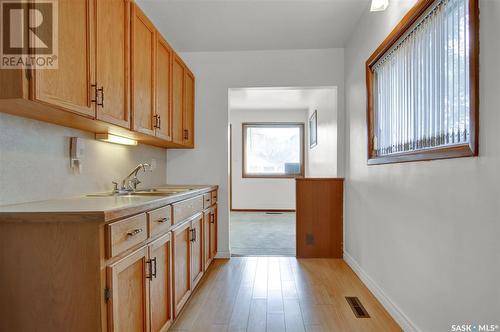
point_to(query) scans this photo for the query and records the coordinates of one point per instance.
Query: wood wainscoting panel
(319, 217)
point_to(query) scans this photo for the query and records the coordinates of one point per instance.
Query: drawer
(214, 197)
(126, 233)
(160, 220)
(207, 201)
(187, 208)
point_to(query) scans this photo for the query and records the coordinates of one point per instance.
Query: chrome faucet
(131, 181)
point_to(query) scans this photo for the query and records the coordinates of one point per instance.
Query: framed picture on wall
(313, 130)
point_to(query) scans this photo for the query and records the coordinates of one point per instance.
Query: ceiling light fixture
(115, 139)
(379, 5)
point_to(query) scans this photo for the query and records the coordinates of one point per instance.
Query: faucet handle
(115, 189)
(133, 183)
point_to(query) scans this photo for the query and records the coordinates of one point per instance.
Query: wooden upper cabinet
(177, 100)
(143, 57)
(129, 301)
(188, 117)
(161, 284)
(116, 74)
(113, 62)
(163, 88)
(70, 86)
(182, 103)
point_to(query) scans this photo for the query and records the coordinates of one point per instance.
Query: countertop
(92, 208)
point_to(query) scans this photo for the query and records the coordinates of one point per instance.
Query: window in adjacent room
(273, 150)
(422, 83)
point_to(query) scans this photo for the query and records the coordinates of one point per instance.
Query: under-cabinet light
(379, 5)
(115, 139)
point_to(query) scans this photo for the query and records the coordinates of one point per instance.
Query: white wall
(216, 72)
(34, 162)
(250, 193)
(322, 159)
(427, 233)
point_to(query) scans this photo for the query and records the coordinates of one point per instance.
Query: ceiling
(239, 25)
(272, 98)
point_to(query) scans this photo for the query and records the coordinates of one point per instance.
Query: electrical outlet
(309, 238)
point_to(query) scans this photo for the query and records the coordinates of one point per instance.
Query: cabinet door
(143, 44)
(161, 284)
(177, 100)
(207, 259)
(196, 251)
(181, 238)
(213, 233)
(70, 86)
(113, 61)
(128, 306)
(188, 117)
(163, 88)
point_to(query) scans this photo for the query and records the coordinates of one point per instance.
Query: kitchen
(115, 194)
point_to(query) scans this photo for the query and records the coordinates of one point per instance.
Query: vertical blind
(422, 85)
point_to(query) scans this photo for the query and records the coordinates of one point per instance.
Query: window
(273, 150)
(422, 85)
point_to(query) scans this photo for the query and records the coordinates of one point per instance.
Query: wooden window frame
(245, 125)
(456, 151)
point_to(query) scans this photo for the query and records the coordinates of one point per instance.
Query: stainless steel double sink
(145, 192)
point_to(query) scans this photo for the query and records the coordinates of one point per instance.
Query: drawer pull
(207, 200)
(162, 220)
(134, 232)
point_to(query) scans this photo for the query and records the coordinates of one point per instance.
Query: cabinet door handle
(193, 235)
(186, 134)
(212, 218)
(155, 124)
(101, 91)
(153, 272)
(134, 232)
(162, 220)
(149, 263)
(159, 122)
(95, 93)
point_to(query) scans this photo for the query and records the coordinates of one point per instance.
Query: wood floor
(281, 294)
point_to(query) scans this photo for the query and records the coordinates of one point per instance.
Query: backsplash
(35, 165)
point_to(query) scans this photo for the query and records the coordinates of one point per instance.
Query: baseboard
(262, 210)
(223, 255)
(404, 322)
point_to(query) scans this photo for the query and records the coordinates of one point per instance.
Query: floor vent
(357, 307)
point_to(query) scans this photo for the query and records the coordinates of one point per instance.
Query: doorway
(268, 149)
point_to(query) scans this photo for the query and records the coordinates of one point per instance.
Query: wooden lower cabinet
(209, 235)
(181, 237)
(196, 250)
(213, 233)
(160, 252)
(128, 288)
(132, 274)
(207, 214)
